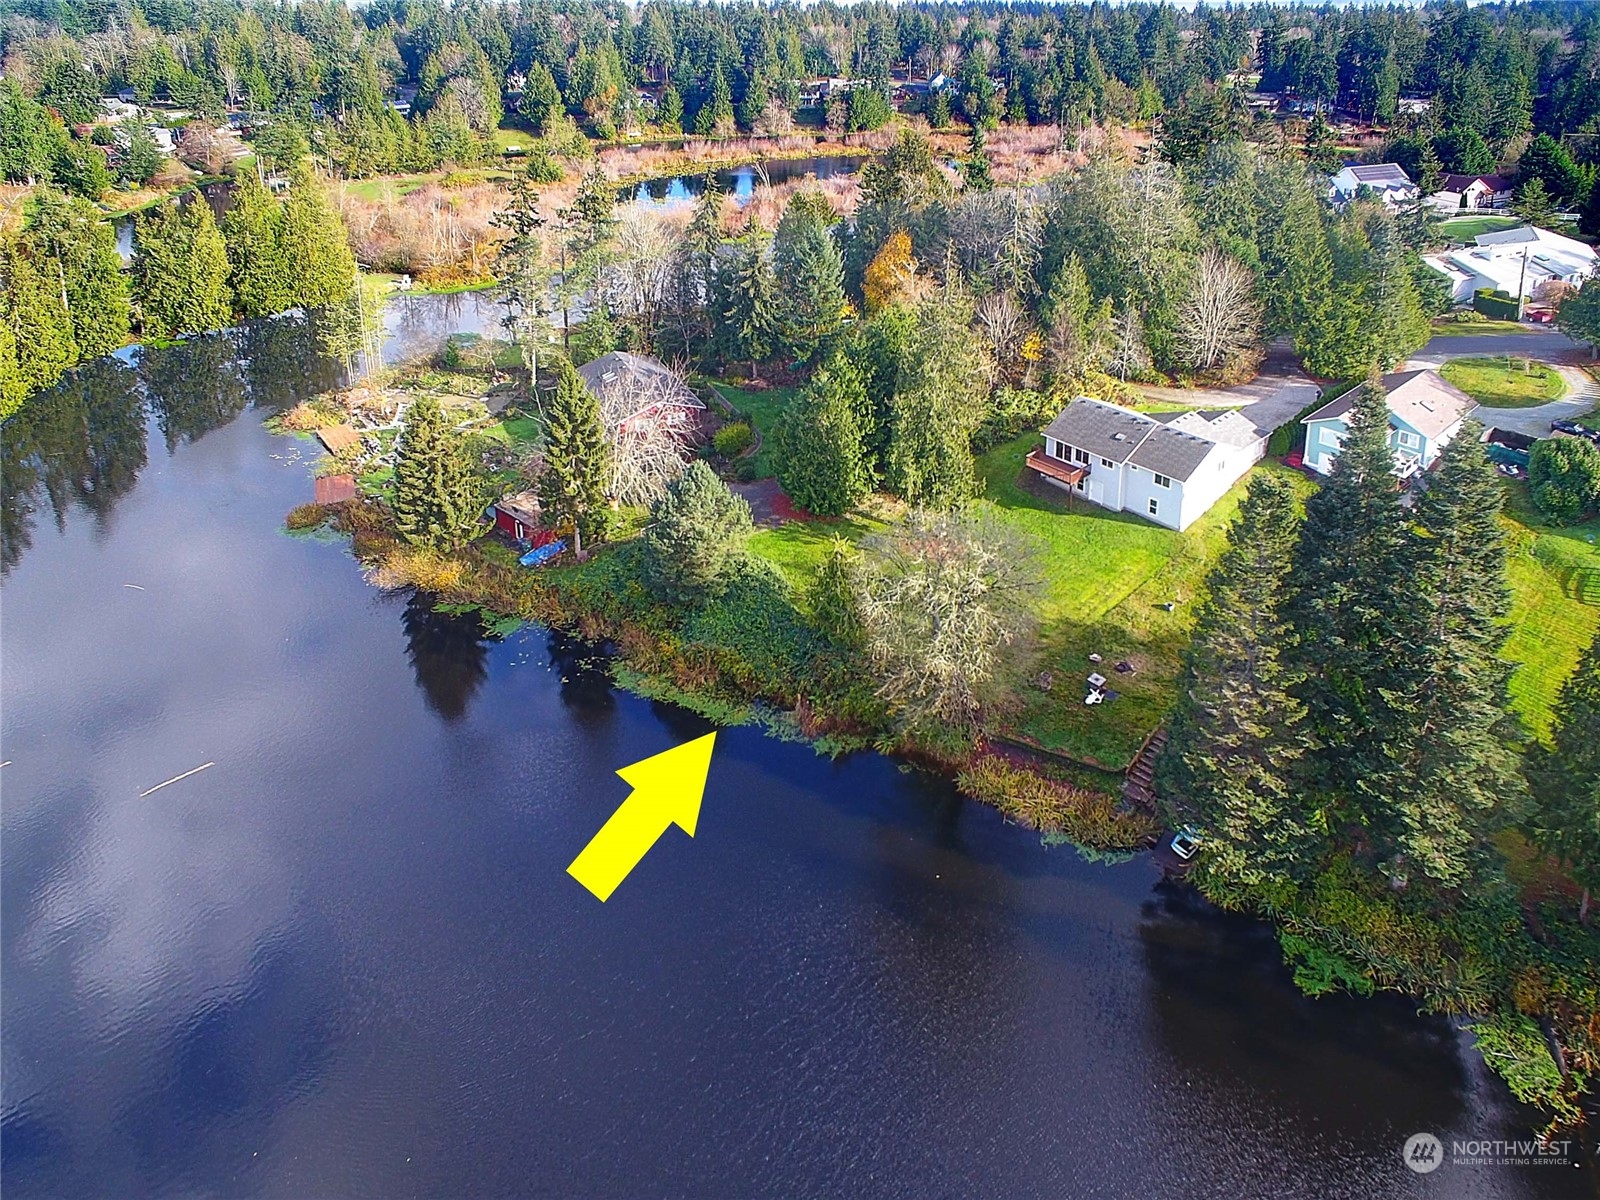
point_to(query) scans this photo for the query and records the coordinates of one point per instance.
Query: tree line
(1496, 72)
(66, 299)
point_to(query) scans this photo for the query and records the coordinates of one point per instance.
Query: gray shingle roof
(1122, 435)
(1100, 428)
(1172, 452)
(651, 377)
(1381, 173)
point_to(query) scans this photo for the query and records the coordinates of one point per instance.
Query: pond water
(741, 182)
(346, 959)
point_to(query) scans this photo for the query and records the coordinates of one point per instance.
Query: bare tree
(1005, 327)
(1220, 318)
(939, 597)
(1129, 355)
(649, 431)
(636, 280)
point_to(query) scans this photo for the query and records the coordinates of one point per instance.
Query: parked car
(1185, 843)
(1575, 429)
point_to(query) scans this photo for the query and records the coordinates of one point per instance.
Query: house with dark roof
(1425, 412)
(1471, 193)
(1168, 471)
(1386, 181)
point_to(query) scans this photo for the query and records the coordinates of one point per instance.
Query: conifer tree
(1230, 762)
(572, 488)
(321, 268)
(181, 270)
(696, 537)
(975, 173)
(540, 98)
(832, 595)
(1564, 778)
(71, 242)
(1446, 763)
(1348, 610)
(810, 302)
(749, 303)
(258, 267)
(821, 443)
(716, 113)
(437, 500)
(936, 408)
(38, 323)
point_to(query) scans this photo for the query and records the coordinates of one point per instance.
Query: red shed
(517, 517)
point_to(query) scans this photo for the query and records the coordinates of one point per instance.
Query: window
(1106, 462)
(1407, 440)
(1163, 481)
(1080, 456)
(1155, 508)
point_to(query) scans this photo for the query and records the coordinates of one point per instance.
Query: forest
(1054, 201)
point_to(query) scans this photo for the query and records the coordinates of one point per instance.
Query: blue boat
(540, 555)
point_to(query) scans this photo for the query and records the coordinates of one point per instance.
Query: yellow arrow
(667, 788)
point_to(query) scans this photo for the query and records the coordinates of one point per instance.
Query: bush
(1499, 305)
(1564, 475)
(734, 439)
(1085, 817)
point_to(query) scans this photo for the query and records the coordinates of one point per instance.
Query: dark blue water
(346, 960)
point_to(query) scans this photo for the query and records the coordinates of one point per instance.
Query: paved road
(1551, 345)
(1583, 394)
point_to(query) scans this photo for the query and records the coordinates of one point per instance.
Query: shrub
(733, 439)
(1564, 475)
(1085, 817)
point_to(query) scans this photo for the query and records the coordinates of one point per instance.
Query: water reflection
(741, 182)
(80, 444)
(448, 653)
(585, 677)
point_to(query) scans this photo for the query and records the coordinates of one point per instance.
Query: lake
(346, 959)
(741, 182)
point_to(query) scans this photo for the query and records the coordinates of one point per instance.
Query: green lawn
(1505, 382)
(1446, 327)
(798, 548)
(1464, 229)
(1108, 579)
(1549, 568)
(762, 407)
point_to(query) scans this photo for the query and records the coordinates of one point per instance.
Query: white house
(1387, 181)
(1425, 413)
(1169, 472)
(1517, 262)
(1471, 193)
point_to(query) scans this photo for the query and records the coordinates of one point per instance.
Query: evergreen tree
(258, 266)
(541, 99)
(1547, 161)
(1533, 203)
(71, 242)
(696, 537)
(181, 270)
(669, 113)
(1564, 778)
(572, 488)
(38, 325)
(821, 443)
(1589, 217)
(832, 596)
(1564, 477)
(936, 409)
(810, 303)
(1348, 611)
(141, 158)
(716, 113)
(939, 110)
(316, 248)
(1447, 766)
(749, 303)
(437, 499)
(1230, 762)
(975, 172)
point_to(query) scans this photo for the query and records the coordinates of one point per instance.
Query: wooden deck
(1054, 468)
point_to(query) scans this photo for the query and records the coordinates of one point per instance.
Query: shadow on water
(585, 674)
(448, 653)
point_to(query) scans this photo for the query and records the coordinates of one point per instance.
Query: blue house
(1425, 412)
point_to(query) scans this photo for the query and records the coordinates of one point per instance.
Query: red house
(517, 516)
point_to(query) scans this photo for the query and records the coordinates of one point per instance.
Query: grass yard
(762, 407)
(1551, 568)
(1464, 229)
(1505, 382)
(1108, 578)
(798, 548)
